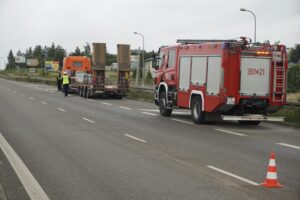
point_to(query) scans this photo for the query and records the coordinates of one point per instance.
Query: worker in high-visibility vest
(59, 80)
(66, 83)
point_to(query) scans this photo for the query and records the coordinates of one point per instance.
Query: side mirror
(156, 62)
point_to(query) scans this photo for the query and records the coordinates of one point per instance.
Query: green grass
(291, 114)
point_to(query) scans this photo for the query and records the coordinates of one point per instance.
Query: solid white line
(126, 108)
(182, 121)
(61, 109)
(289, 145)
(147, 113)
(230, 132)
(109, 104)
(86, 119)
(233, 175)
(135, 138)
(32, 187)
(43, 102)
(30, 98)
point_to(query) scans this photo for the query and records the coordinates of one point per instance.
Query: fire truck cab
(222, 80)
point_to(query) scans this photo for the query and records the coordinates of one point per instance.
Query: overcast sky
(71, 23)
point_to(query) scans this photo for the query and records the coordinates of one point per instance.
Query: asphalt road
(123, 149)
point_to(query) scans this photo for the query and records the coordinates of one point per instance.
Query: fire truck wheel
(164, 111)
(198, 115)
(249, 122)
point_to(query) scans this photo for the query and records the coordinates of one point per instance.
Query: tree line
(53, 53)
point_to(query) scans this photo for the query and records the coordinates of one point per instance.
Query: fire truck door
(184, 81)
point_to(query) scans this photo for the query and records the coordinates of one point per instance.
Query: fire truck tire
(198, 115)
(164, 111)
(249, 122)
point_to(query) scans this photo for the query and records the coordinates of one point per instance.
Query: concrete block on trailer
(99, 51)
(123, 57)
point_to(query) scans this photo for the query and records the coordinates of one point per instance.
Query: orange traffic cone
(271, 180)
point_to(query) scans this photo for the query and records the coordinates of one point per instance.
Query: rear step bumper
(252, 118)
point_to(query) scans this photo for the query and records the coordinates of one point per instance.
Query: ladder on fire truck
(279, 80)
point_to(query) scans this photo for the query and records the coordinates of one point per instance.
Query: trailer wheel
(164, 111)
(84, 92)
(242, 122)
(88, 93)
(198, 115)
(80, 92)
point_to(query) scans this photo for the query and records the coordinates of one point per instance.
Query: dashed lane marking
(105, 103)
(147, 113)
(32, 98)
(230, 132)
(289, 145)
(182, 121)
(61, 109)
(91, 121)
(149, 110)
(32, 187)
(126, 108)
(135, 138)
(233, 175)
(43, 102)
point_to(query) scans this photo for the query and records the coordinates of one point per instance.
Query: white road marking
(43, 102)
(92, 100)
(52, 91)
(135, 138)
(147, 113)
(86, 119)
(182, 121)
(289, 145)
(149, 110)
(32, 98)
(230, 132)
(61, 109)
(126, 108)
(181, 113)
(22, 94)
(105, 103)
(232, 175)
(32, 187)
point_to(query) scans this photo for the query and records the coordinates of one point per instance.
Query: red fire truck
(222, 80)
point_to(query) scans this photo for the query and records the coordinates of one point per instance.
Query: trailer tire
(253, 123)
(84, 92)
(198, 115)
(164, 111)
(80, 91)
(88, 93)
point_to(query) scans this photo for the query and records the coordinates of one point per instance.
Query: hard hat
(65, 73)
